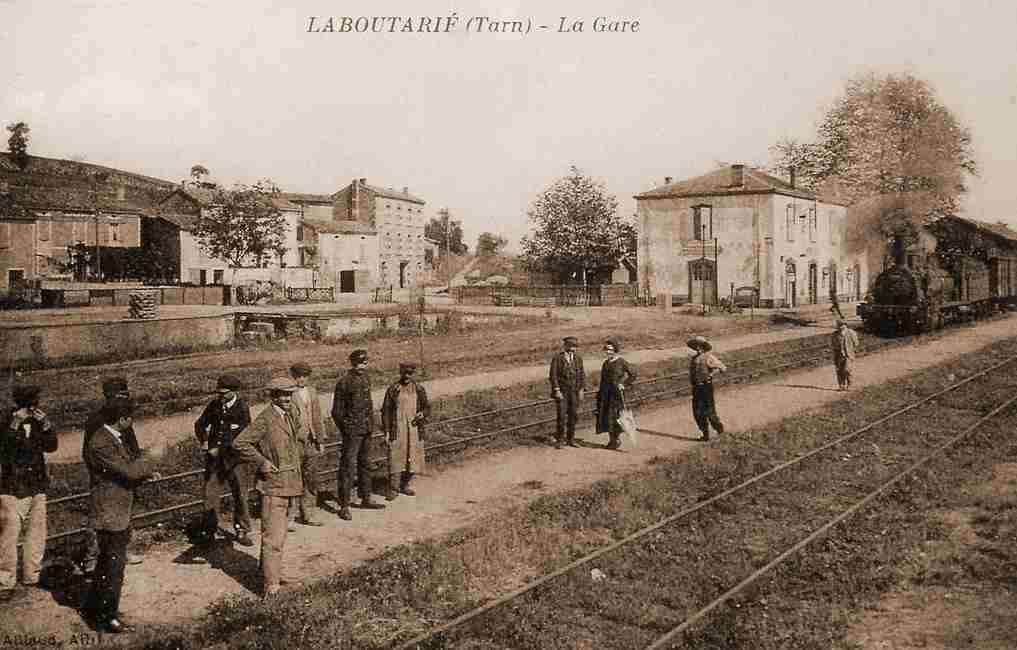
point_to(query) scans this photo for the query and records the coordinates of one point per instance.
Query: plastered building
(741, 230)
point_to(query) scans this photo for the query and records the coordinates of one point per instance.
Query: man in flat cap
(306, 400)
(568, 385)
(26, 436)
(272, 446)
(112, 388)
(223, 419)
(844, 343)
(404, 409)
(703, 366)
(353, 414)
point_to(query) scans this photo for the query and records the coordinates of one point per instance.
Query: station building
(740, 231)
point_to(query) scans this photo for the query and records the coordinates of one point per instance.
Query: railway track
(657, 583)
(458, 433)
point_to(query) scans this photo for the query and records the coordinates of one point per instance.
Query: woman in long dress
(616, 377)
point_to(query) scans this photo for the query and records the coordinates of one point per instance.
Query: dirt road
(166, 589)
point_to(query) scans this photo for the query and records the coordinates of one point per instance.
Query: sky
(480, 122)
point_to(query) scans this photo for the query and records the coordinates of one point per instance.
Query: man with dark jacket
(223, 419)
(112, 387)
(115, 472)
(353, 414)
(568, 384)
(272, 446)
(26, 435)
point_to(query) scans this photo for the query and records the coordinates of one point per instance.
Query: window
(790, 218)
(702, 222)
(300, 233)
(813, 224)
(5, 235)
(217, 276)
(114, 233)
(45, 227)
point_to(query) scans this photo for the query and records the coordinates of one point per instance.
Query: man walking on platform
(306, 399)
(272, 446)
(404, 409)
(568, 385)
(223, 419)
(844, 342)
(703, 366)
(353, 414)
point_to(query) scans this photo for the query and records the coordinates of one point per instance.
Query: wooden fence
(548, 295)
(310, 294)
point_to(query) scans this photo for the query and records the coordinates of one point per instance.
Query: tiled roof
(726, 181)
(998, 229)
(387, 192)
(54, 184)
(182, 221)
(301, 197)
(205, 196)
(339, 227)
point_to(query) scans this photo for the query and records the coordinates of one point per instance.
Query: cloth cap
(699, 343)
(282, 384)
(614, 342)
(113, 385)
(227, 382)
(358, 356)
(24, 395)
(570, 340)
(300, 370)
(407, 367)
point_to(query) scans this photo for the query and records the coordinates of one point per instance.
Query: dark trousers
(108, 579)
(843, 366)
(704, 409)
(217, 477)
(354, 462)
(568, 407)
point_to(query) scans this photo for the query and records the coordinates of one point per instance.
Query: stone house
(181, 209)
(344, 252)
(398, 217)
(739, 229)
(52, 206)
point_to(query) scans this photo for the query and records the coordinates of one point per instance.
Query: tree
(197, 173)
(489, 244)
(891, 150)
(17, 144)
(447, 232)
(575, 227)
(242, 225)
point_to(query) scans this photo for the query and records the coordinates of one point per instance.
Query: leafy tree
(489, 244)
(198, 172)
(242, 225)
(575, 228)
(447, 232)
(17, 144)
(891, 150)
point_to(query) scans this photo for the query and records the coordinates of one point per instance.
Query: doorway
(402, 274)
(702, 282)
(790, 285)
(813, 284)
(347, 281)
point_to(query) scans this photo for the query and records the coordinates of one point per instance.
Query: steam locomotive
(913, 300)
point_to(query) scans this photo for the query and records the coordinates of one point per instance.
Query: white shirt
(116, 434)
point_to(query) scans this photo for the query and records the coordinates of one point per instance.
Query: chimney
(406, 190)
(792, 173)
(737, 175)
(363, 181)
(667, 180)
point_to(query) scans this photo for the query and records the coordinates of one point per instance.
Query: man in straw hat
(844, 342)
(703, 366)
(353, 414)
(26, 436)
(224, 418)
(309, 404)
(568, 384)
(404, 409)
(272, 445)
